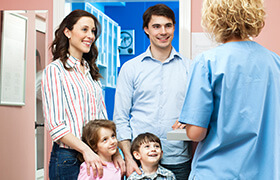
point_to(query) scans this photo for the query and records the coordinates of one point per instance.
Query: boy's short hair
(143, 138)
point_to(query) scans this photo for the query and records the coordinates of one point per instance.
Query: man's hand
(178, 125)
(131, 166)
(119, 162)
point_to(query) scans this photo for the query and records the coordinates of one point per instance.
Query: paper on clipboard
(178, 134)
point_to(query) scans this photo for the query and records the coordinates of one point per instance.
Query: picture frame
(13, 58)
(127, 45)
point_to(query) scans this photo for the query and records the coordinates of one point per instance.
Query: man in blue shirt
(150, 93)
(233, 99)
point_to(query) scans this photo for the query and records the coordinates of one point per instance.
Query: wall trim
(185, 28)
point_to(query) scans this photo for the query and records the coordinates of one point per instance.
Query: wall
(269, 37)
(17, 134)
(131, 18)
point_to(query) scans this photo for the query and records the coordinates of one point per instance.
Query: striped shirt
(70, 99)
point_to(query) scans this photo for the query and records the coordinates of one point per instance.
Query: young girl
(100, 136)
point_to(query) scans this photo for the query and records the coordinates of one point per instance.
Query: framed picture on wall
(13, 58)
(127, 42)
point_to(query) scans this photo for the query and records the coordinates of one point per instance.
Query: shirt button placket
(161, 93)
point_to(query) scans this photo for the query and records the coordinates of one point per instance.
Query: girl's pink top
(109, 172)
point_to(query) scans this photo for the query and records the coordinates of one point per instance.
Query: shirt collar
(74, 62)
(173, 55)
(160, 171)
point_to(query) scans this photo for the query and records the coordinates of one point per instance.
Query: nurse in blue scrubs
(232, 104)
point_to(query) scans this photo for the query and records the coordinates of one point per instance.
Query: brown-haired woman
(72, 95)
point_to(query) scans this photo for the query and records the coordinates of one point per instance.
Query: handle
(39, 125)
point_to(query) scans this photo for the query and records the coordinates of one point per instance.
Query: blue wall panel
(78, 6)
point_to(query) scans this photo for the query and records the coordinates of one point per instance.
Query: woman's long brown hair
(60, 45)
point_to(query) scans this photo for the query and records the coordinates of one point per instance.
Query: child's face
(107, 144)
(149, 153)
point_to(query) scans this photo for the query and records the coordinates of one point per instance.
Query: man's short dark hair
(158, 10)
(142, 139)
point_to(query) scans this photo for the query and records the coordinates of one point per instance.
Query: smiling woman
(81, 37)
(72, 94)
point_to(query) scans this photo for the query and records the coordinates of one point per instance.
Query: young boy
(146, 149)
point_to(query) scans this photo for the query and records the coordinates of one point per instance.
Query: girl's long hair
(91, 136)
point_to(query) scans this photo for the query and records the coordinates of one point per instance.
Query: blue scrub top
(234, 91)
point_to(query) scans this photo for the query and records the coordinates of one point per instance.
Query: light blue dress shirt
(149, 98)
(234, 91)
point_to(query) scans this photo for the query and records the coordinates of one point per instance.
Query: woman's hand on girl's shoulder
(95, 162)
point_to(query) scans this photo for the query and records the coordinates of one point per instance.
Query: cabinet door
(110, 53)
(115, 54)
(99, 41)
(105, 40)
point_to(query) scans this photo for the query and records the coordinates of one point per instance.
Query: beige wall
(17, 134)
(269, 36)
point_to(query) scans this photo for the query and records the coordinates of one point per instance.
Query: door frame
(41, 25)
(185, 14)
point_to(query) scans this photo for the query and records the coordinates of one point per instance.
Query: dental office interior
(25, 143)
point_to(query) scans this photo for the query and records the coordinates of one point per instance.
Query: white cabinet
(107, 45)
